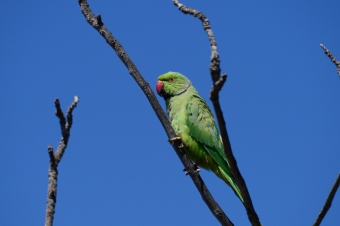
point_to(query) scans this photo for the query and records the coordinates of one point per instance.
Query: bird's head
(172, 84)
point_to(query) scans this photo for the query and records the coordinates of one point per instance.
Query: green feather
(193, 121)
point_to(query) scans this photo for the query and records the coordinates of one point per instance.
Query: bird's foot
(196, 169)
(171, 141)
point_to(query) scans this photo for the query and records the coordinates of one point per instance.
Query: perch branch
(97, 23)
(333, 59)
(55, 159)
(328, 202)
(218, 82)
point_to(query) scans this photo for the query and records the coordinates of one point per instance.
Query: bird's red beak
(159, 87)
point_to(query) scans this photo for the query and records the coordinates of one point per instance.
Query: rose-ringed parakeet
(194, 123)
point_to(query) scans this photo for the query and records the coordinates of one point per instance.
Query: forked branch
(55, 158)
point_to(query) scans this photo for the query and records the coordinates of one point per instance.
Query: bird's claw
(196, 169)
(171, 141)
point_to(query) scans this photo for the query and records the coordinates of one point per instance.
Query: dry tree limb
(328, 202)
(52, 189)
(218, 82)
(55, 158)
(333, 59)
(97, 23)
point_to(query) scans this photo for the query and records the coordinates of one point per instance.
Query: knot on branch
(51, 154)
(206, 24)
(99, 20)
(215, 72)
(217, 86)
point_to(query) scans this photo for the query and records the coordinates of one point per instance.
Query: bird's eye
(171, 79)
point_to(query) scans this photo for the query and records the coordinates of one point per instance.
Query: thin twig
(333, 59)
(97, 23)
(59, 113)
(328, 202)
(55, 159)
(218, 82)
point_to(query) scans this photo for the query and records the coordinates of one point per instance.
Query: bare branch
(69, 112)
(333, 59)
(66, 127)
(215, 62)
(50, 153)
(97, 23)
(214, 97)
(328, 203)
(52, 189)
(59, 113)
(55, 159)
(216, 88)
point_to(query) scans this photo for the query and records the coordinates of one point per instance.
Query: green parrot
(194, 124)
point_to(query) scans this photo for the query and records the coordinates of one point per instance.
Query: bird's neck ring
(167, 96)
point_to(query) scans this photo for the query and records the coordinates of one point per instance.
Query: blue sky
(281, 104)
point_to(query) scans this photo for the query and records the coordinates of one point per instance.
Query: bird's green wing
(203, 128)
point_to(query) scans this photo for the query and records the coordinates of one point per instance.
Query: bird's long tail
(231, 182)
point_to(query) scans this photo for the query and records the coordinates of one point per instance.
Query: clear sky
(281, 104)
